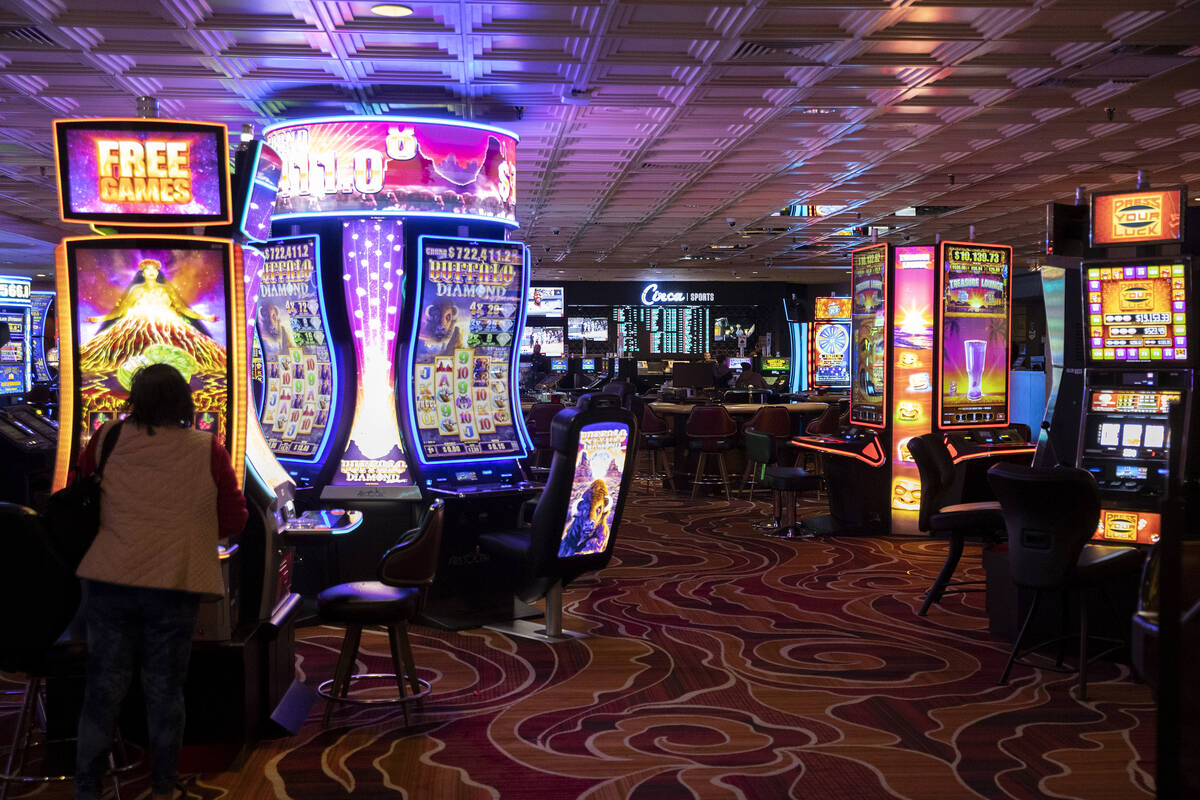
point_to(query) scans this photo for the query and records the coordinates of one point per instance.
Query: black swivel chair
(941, 515)
(1050, 514)
(624, 390)
(563, 541)
(394, 600)
(785, 483)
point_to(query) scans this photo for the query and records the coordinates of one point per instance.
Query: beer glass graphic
(976, 351)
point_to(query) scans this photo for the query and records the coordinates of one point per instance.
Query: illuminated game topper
(132, 301)
(1153, 216)
(595, 489)
(395, 165)
(463, 349)
(1137, 314)
(868, 328)
(299, 373)
(144, 172)
(831, 308)
(973, 286)
(15, 367)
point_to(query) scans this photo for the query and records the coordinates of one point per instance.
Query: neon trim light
(373, 272)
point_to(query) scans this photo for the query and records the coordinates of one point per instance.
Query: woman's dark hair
(159, 396)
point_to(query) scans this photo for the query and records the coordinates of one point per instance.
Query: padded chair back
(1050, 514)
(624, 390)
(711, 421)
(937, 474)
(39, 595)
(750, 379)
(540, 417)
(412, 561)
(566, 497)
(653, 423)
(760, 447)
(771, 420)
(826, 423)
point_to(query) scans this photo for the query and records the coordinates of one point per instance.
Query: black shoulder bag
(73, 512)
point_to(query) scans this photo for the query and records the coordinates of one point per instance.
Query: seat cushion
(791, 479)
(971, 518)
(1099, 562)
(507, 545)
(658, 441)
(367, 603)
(711, 444)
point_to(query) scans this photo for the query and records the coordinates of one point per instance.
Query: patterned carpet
(724, 665)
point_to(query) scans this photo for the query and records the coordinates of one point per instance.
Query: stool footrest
(323, 690)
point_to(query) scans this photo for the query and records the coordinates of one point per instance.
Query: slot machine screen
(591, 329)
(144, 300)
(588, 365)
(868, 326)
(558, 364)
(462, 394)
(551, 340)
(643, 365)
(15, 363)
(259, 189)
(600, 463)
(973, 286)
(1137, 315)
(738, 363)
(546, 301)
(145, 172)
(40, 314)
(829, 353)
(300, 376)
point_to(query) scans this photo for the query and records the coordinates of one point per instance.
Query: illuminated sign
(868, 324)
(1128, 527)
(15, 357)
(651, 295)
(373, 276)
(1138, 217)
(1137, 314)
(463, 349)
(131, 301)
(595, 489)
(973, 286)
(260, 189)
(15, 290)
(299, 372)
(40, 303)
(912, 386)
(395, 165)
(829, 353)
(143, 172)
(831, 308)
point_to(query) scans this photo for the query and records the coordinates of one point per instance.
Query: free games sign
(143, 172)
(469, 299)
(1144, 217)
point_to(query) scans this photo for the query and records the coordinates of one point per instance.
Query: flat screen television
(589, 329)
(545, 301)
(588, 364)
(550, 338)
(558, 364)
(739, 363)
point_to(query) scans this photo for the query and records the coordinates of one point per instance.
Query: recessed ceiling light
(391, 10)
(40, 275)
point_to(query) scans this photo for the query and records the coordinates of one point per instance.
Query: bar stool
(656, 439)
(776, 423)
(788, 482)
(711, 431)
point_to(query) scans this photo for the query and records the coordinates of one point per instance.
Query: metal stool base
(323, 690)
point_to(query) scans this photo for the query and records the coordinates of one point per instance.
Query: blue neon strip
(514, 359)
(335, 393)
(800, 354)
(343, 214)
(455, 123)
(250, 193)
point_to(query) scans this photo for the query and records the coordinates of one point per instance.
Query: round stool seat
(791, 479)
(367, 603)
(712, 444)
(658, 441)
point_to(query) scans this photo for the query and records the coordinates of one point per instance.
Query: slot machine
(821, 348)
(1139, 357)
(156, 293)
(16, 370)
(775, 371)
(43, 354)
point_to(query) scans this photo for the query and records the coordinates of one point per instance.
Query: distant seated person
(748, 379)
(539, 365)
(722, 375)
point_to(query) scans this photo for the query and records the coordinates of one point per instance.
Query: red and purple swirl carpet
(724, 665)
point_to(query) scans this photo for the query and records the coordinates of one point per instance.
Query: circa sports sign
(652, 295)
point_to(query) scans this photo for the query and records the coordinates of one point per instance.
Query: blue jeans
(129, 626)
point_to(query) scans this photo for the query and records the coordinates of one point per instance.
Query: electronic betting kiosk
(1139, 358)
(153, 295)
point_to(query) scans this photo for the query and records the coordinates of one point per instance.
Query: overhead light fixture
(391, 10)
(38, 275)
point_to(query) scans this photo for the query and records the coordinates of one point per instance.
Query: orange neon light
(871, 456)
(65, 324)
(1007, 451)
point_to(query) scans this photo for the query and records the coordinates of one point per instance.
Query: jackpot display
(545, 301)
(41, 357)
(973, 287)
(868, 326)
(463, 349)
(15, 366)
(600, 463)
(1137, 314)
(829, 342)
(395, 166)
(1151, 216)
(299, 373)
(148, 172)
(143, 300)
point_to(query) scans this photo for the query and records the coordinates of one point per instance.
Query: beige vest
(158, 513)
